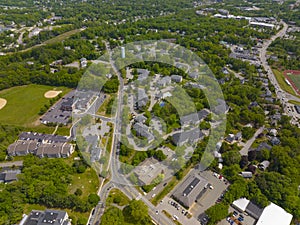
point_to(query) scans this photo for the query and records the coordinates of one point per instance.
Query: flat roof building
(275, 215)
(190, 190)
(54, 217)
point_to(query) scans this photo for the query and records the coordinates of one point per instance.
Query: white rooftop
(241, 203)
(275, 215)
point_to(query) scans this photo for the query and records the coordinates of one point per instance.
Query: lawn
(88, 182)
(281, 81)
(24, 104)
(116, 196)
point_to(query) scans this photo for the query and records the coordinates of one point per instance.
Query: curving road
(282, 95)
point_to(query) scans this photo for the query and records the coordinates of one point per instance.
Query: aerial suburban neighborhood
(150, 112)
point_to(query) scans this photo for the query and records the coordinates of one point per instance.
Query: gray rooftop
(190, 136)
(54, 217)
(190, 190)
(194, 118)
(254, 210)
(143, 131)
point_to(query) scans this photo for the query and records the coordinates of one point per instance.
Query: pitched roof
(254, 210)
(194, 118)
(187, 136)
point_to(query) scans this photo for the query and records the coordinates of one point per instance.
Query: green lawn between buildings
(24, 104)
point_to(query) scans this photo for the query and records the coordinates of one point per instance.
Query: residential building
(164, 81)
(41, 145)
(246, 174)
(194, 118)
(264, 165)
(176, 78)
(10, 175)
(143, 131)
(142, 74)
(194, 75)
(142, 98)
(190, 136)
(53, 217)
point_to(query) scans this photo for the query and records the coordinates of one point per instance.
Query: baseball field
(23, 103)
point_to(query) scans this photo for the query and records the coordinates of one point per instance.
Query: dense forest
(45, 182)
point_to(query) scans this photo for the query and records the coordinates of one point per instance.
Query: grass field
(89, 179)
(62, 37)
(281, 81)
(295, 79)
(24, 104)
(117, 196)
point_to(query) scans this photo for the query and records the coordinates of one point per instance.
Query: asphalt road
(245, 149)
(283, 96)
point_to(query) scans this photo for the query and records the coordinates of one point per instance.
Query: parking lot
(247, 220)
(174, 209)
(211, 196)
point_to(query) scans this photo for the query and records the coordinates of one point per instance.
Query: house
(273, 132)
(22, 148)
(55, 150)
(176, 78)
(54, 217)
(225, 70)
(162, 95)
(140, 119)
(142, 98)
(263, 145)
(221, 107)
(143, 131)
(41, 145)
(275, 141)
(246, 174)
(8, 176)
(190, 190)
(194, 85)
(83, 62)
(194, 75)
(190, 136)
(194, 118)
(231, 137)
(264, 165)
(164, 81)
(143, 74)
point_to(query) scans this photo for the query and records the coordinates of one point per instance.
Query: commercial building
(190, 190)
(272, 214)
